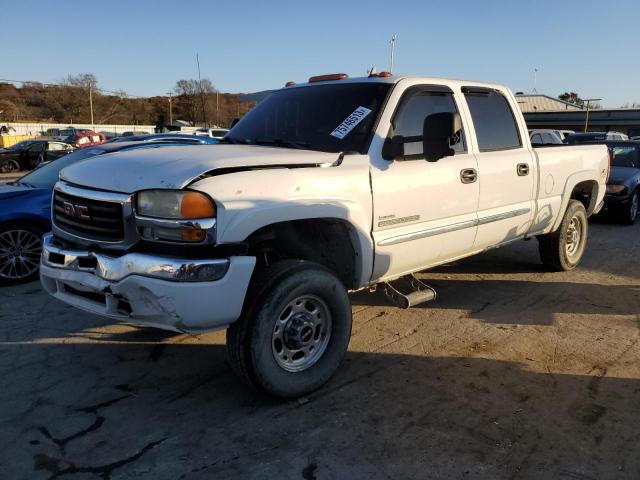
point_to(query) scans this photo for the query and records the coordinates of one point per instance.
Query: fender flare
(245, 222)
(570, 184)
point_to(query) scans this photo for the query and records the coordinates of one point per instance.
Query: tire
(562, 250)
(629, 214)
(293, 307)
(9, 166)
(20, 248)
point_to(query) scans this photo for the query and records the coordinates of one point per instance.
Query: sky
(143, 47)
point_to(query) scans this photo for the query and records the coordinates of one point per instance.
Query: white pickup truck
(326, 187)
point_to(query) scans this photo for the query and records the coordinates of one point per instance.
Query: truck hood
(174, 167)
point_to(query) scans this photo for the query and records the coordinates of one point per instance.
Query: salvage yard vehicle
(623, 187)
(28, 154)
(25, 212)
(540, 137)
(326, 187)
(591, 137)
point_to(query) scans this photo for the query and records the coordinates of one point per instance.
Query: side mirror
(437, 131)
(393, 148)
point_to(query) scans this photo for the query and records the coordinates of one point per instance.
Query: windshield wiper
(279, 142)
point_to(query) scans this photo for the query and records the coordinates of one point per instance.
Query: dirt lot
(511, 373)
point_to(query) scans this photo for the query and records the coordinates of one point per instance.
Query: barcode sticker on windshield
(350, 122)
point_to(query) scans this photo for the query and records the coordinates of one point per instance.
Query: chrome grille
(88, 218)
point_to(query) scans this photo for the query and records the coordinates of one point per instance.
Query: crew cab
(325, 187)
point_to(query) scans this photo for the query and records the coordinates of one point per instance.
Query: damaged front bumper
(186, 295)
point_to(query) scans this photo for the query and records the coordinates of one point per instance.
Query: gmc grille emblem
(76, 211)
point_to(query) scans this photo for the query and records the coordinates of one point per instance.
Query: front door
(424, 213)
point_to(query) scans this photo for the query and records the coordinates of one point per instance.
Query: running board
(408, 291)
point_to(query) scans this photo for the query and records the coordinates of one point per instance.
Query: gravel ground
(511, 373)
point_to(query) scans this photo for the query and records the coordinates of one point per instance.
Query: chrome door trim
(503, 216)
(407, 237)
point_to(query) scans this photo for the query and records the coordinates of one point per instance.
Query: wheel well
(35, 223)
(587, 193)
(325, 241)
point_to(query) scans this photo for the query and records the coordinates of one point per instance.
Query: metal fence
(54, 128)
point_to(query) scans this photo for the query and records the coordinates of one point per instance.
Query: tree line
(69, 101)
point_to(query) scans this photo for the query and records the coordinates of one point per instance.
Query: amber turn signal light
(197, 205)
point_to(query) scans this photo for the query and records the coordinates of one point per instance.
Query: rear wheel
(294, 331)
(630, 213)
(9, 166)
(562, 250)
(20, 248)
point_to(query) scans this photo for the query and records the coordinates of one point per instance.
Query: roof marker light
(329, 77)
(289, 84)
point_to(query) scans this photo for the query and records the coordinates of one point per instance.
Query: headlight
(174, 204)
(616, 188)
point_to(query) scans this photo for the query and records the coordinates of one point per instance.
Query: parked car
(132, 133)
(591, 137)
(564, 134)
(211, 132)
(83, 139)
(334, 185)
(166, 137)
(28, 154)
(25, 211)
(108, 135)
(541, 137)
(623, 187)
(636, 138)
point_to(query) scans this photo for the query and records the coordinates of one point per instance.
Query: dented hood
(177, 166)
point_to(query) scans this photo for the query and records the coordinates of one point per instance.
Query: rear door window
(493, 119)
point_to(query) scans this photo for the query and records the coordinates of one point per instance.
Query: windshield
(47, 175)
(626, 156)
(328, 118)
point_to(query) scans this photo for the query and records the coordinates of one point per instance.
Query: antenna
(393, 47)
(535, 80)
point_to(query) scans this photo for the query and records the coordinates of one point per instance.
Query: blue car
(166, 137)
(25, 210)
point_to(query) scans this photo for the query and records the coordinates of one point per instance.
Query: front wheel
(20, 247)
(294, 331)
(562, 250)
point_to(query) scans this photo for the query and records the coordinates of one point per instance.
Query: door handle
(523, 169)
(468, 175)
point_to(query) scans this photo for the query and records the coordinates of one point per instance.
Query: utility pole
(586, 120)
(393, 47)
(91, 105)
(170, 110)
(217, 107)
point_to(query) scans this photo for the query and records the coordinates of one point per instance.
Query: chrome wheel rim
(301, 333)
(573, 236)
(9, 167)
(19, 254)
(634, 207)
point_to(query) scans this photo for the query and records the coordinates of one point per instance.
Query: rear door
(506, 167)
(424, 212)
